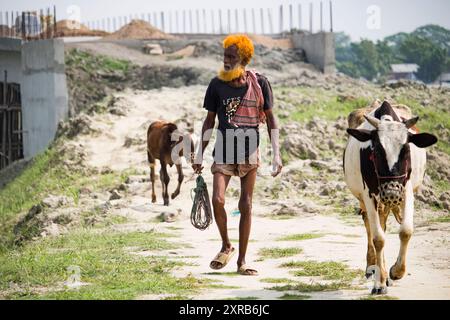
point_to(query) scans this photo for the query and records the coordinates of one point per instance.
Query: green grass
(216, 273)
(276, 253)
(46, 175)
(243, 298)
(441, 219)
(221, 286)
(311, 287)
(429, 118)
(281, 216)
(324, 104)
(104, 263)
(383, 297)
(276, 280)
(329, 270)
(300, 237)
(288, 296)
(92, 63)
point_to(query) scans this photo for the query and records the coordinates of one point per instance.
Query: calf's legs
(165, 179)
(180, 180)
(152, 163)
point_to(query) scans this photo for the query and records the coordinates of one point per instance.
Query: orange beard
(232, 74)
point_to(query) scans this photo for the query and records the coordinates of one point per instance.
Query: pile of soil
(139, 30)
(71, 28)
(4, 30)
(270, 42)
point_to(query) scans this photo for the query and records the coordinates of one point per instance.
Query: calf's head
(390, 154)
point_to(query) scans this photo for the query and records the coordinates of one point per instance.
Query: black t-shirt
(218, 95)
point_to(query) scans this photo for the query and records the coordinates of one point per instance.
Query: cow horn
(372, 120)
(411, 122)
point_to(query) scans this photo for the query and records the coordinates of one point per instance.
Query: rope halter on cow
(392, 188)
(392, 191)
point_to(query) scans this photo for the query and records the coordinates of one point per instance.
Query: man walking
(242, 100)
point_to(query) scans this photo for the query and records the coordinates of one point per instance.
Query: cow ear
(360, 134)
(422, 140)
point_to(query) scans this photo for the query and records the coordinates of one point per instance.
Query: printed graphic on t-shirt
(231, 105)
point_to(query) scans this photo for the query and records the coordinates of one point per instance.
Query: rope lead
(201, 203)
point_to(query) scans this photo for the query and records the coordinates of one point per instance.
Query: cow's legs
(378, 237)
(164, 176)
(371, 257)
(397, 271)
(180, 180)
(384, 214)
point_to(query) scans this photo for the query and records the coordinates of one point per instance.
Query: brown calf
(160, 145)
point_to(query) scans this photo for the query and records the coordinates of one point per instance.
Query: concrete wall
(10, 59)
(44, 93)
(319, 49)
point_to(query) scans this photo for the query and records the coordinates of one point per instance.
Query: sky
(369, 19)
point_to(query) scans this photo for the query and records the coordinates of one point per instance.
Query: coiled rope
(201, 213)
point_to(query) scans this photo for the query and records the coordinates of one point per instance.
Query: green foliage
(430, 57)
(93, 63)
(427, 46)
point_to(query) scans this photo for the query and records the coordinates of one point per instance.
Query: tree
(430, 57)
(386, 57)
(366, 58)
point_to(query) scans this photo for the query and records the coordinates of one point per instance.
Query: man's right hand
(197, 168)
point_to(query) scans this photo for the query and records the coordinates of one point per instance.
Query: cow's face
(390, 154)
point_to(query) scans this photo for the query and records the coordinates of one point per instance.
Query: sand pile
(139, 29)
(71, 28)
(4, 30)
(270, 42)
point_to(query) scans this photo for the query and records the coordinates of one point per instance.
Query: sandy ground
(428, 273)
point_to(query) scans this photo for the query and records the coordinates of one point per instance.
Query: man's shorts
(240, 170)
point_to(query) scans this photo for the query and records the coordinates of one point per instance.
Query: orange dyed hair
(244, 45)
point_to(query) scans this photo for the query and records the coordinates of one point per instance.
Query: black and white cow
(384, 164)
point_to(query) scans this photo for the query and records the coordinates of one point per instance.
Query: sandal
(246, 271)
(222, 258)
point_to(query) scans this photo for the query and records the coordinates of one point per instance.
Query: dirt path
(428, 275)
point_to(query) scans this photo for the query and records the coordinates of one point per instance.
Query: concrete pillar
(204, 22)
(281, 19)
(321, 16)
(291, 18)
(229, 21)
(262, 20)
(269, 14)
(319, 49)
(253, 20)
(299, 16)
(197, 16)
(213, 25)
(220, 22)
(44, 93)
(245, 21)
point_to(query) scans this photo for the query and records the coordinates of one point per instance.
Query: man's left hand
(277, 166)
